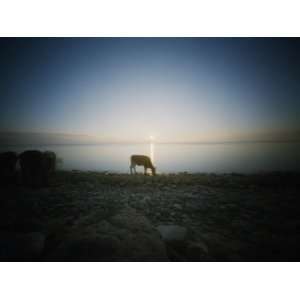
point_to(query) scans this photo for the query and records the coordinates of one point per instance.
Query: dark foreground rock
(198, 251)
(127, 236)
(21, 246)
(92, 216)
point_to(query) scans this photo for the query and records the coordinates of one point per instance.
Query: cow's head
(153, 171)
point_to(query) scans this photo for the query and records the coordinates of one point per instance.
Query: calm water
(217, 158)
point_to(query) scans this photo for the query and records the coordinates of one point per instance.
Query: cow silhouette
(8, 161)
(37, 167)
(141, 160)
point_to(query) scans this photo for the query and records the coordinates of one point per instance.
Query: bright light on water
(152, 152)
(152, 138)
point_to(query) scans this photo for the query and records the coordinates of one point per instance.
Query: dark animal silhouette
(141, 160)
(37, 167)
(50, 161)
(8, 161)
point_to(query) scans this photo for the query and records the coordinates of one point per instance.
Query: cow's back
(141, 160)
(31, 159)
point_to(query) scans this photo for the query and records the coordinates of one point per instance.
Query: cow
(50, 161)
(36, 167)
(141, 160)
(8, 161)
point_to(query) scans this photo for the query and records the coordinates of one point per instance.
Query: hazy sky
(130, 88)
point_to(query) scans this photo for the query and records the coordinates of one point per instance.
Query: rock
(21, 246)
(171, 233)
(197, 251)
(185, 217)
(147, 198)
(174, 255)
(195, 204)
(126, 236)
(87, 249)
(143, 202)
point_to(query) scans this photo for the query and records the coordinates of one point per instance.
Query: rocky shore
(90, 216)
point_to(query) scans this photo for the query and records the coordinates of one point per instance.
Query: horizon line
(158, 143)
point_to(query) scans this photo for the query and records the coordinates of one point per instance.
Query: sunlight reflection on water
(152, 152)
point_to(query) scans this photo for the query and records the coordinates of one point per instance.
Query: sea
(219, 158)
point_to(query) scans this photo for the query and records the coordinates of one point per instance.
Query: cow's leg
(145, 171)
(131, 169)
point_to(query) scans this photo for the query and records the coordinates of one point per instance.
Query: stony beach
(91, 216)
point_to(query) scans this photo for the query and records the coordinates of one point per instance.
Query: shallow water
(216, 158)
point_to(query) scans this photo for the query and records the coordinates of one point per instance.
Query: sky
(173, 89)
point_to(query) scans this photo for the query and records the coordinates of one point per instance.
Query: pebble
(177, 206)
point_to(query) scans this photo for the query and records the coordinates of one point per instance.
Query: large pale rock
(170, 233)
(127, 236)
